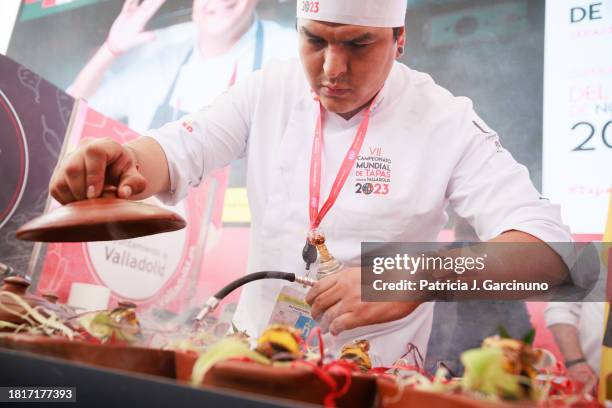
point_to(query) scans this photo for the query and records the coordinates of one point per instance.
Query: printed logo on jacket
(372, 172)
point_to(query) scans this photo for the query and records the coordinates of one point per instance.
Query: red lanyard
(316, 216)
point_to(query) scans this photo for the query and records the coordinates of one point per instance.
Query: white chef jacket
(440, 153)
(150, 70)
(587, 318)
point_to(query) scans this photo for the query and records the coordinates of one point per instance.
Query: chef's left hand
(337, 306)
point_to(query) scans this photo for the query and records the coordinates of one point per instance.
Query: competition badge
(292, 310)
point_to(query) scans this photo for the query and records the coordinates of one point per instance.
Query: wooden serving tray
(127, 358)
(294, 383)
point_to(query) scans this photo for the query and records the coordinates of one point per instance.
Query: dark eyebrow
(305, 31)
(361, 38)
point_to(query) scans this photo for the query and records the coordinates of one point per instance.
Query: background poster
(39, 123)
(34, 116)
(161, 272)
(33, 9)
(577, 144)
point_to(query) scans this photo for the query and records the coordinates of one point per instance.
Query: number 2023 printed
(587, 144)
(310, 6)
(369, 188)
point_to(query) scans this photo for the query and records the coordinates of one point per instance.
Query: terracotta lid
(127, 304)
(15, 284)
(51, 297)
(100, 219)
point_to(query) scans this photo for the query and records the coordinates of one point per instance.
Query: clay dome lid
(101, 219)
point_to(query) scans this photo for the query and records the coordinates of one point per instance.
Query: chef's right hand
(128, 29)
(84, 172)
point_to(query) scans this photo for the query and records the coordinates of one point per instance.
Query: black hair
(396, 32)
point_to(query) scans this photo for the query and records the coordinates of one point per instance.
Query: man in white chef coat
(180, 68)
(308, 129)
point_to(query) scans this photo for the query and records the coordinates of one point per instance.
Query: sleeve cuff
(557, 236)
(176, 193)
(562, 313)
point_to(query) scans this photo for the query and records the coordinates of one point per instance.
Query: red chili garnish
(317, 331)
(340, 367)
(88, 337)
(324, 376)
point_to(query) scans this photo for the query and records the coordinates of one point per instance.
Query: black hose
(226, 290)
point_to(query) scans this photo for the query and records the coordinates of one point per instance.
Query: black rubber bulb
(309, 254)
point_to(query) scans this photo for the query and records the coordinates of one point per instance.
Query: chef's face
(222, 17)
(346, 65)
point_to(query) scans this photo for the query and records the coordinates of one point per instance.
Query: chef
(348, 142)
